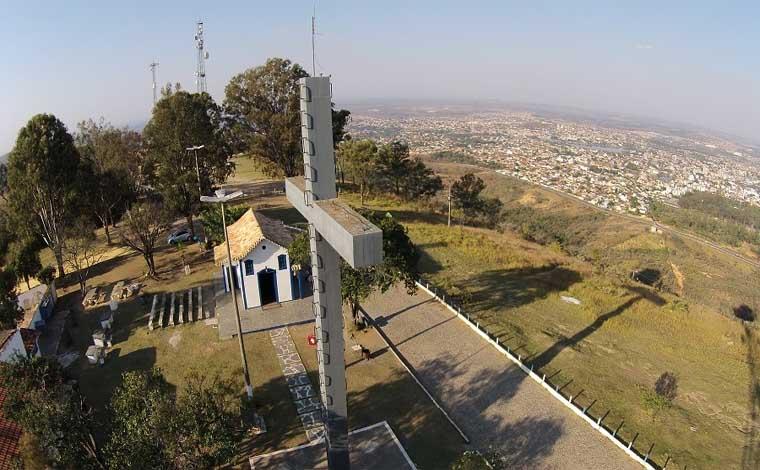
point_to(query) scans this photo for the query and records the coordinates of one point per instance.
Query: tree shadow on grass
(273, 402)
(497, 289)
(427, 263)
(99, 382)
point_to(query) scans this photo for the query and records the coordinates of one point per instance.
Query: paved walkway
(305, 396)
(373, 448)
(260, 319)
(495, 403)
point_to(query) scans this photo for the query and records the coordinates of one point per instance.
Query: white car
(180, 236)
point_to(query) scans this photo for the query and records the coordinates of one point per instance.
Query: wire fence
(612, 431)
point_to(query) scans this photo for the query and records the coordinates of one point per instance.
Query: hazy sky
(696, 62)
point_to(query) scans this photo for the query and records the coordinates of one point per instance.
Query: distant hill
(4, 157)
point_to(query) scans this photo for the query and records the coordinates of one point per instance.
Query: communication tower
(200, 69)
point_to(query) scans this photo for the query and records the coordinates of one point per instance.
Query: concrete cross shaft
(335, 231)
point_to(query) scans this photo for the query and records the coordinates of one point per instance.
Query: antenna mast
(313, 36)
(200, 69)
(153, 66)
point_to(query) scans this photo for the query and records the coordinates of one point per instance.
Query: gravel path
(495, 403)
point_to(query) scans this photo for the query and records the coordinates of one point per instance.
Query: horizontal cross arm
(355, 238)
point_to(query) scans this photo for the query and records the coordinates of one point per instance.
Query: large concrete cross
(335, 231)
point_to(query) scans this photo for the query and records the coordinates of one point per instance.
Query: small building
(261, 268)
(38, 304)
(11, 345)
(19, 342)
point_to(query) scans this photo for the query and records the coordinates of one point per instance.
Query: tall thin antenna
(313, 41)
(200, 69)
(153, 66)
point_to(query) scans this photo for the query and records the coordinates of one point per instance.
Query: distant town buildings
(613, 168)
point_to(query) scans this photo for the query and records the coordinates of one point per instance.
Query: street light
(195, 149)
(221, 197)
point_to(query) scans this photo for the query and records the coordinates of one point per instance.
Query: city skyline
(680, 63)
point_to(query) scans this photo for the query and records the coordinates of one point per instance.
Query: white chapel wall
(265, 256)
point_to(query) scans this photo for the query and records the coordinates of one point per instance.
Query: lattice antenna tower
(153, 66)
(200, 69)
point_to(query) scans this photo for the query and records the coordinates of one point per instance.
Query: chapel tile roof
(247, 232)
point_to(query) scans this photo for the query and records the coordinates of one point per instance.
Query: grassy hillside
(624, 334)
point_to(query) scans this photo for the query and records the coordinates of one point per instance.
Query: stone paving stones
(190, 305)
(308, 405)
(171, 311)
(161, 311)
(152, 312)
(200, 302)
(185, 307)
(181, 306)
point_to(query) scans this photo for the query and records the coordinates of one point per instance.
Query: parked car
(180, 236)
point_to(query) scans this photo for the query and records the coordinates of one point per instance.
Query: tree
(211, 217)
(299, 250)
(205, 425)
(359, 159)
(46, 275)
(662, 395)
(143, 225)
(466, 196)
(400, 258)
(263, 107)
(41, 401)
(404, 176)
(113, 157)
(340, 119)
(667, 386)
(140, 412)
(420, 182)
(4, 181)
(80, 251)
(43, 170)
(153, 428)
(10, 312)
(474, 460)
(182, 120)
(7, 228)
(24, 259)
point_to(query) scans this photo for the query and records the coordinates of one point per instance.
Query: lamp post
(195, 149)
(221, 197)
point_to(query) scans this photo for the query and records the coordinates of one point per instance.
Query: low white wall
(594, 423)
(13, 347)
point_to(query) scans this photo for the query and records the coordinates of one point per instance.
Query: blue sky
(695, 62)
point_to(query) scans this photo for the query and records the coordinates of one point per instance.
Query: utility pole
(449, 199)
(195, 149)
(220, 198)
(200, 68)
(153, 66)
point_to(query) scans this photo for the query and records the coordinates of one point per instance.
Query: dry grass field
(624, 334)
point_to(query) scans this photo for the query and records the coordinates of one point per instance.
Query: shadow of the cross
(640, 293)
